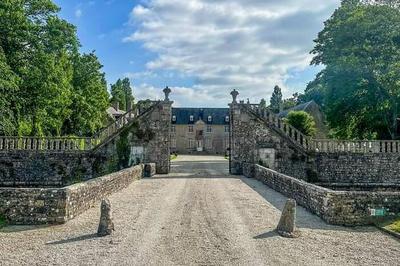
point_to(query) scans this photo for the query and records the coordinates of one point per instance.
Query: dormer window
(209, 118)
(174, 118)
(227, 118)
(191, 118)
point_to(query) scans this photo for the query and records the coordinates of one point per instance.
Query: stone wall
(335, 207)
(358, 167)
(150, 132)
(48, 169)
(58, 205)
(252, 141)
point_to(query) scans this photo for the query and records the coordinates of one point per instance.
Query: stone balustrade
(325, 145)
(70, 143)
(47, 143)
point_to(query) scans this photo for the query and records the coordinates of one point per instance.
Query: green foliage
(276, 100)
(90, 96)
(3, 221)
(43, 79)
(291, 102)
(121, 92)
(263, 103)
(360, 86)
(123, 149)
(302, 121)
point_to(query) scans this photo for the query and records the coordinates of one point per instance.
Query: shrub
(302, 121)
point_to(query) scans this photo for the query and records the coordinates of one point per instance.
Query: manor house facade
(200, 130)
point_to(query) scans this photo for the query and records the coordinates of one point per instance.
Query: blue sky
(202, 48)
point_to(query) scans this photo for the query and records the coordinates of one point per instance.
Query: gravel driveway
(197, 215)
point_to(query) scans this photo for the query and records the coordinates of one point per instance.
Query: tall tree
(43, 78)
(360, 47)
(276, 100)
(121, 93)
(263, 103)
(89, 97)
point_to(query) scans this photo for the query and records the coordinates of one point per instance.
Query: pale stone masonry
(200, 130)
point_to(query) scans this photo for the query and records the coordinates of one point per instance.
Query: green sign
(378, 212)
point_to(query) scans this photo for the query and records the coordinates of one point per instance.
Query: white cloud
(245, 44)
(78, 13)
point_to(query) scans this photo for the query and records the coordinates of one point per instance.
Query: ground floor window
(208, 143)
(191, 143)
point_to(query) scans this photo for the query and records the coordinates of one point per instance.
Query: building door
(199, 145)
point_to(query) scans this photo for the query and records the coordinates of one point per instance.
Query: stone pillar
(158, 150)
(287, 223)
(234, 119)
(106, 225)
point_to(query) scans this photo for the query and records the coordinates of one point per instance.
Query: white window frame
(227, 118)
(191, 118)
(174, 118)
(209, 129)
(227, 129)
(209, 118)
(173, 129)
(191, 143)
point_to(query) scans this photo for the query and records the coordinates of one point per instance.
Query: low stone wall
(335, 207)
(358, 167)
(58, 205)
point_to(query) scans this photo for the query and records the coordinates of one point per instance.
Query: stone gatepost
(235, 166)
(158, 150)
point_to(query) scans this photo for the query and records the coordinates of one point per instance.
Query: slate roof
(300, 107)
(183, 115)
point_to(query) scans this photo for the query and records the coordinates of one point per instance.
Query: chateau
(200, 130)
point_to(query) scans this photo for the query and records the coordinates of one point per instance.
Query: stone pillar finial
(167, 91)
(234, 94)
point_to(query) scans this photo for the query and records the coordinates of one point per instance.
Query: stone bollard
(106, 225)
(287, 223)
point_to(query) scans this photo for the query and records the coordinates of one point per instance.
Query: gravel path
(197, 215)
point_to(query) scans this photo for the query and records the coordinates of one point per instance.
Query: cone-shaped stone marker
(106, 225)
(287, 223)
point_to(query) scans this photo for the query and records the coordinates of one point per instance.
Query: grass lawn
(394, 225)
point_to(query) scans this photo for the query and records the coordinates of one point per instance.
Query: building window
(209, 118)
(173, 143)
(209, 129)
(227, 118)
(226, 128)
(209, 144)
(191, 143)
(190, 128)
(191, 118)
(173, 129)
(174, 118)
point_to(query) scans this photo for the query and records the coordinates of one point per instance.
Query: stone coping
(335, 207)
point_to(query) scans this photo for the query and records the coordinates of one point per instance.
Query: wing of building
(200, 130)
